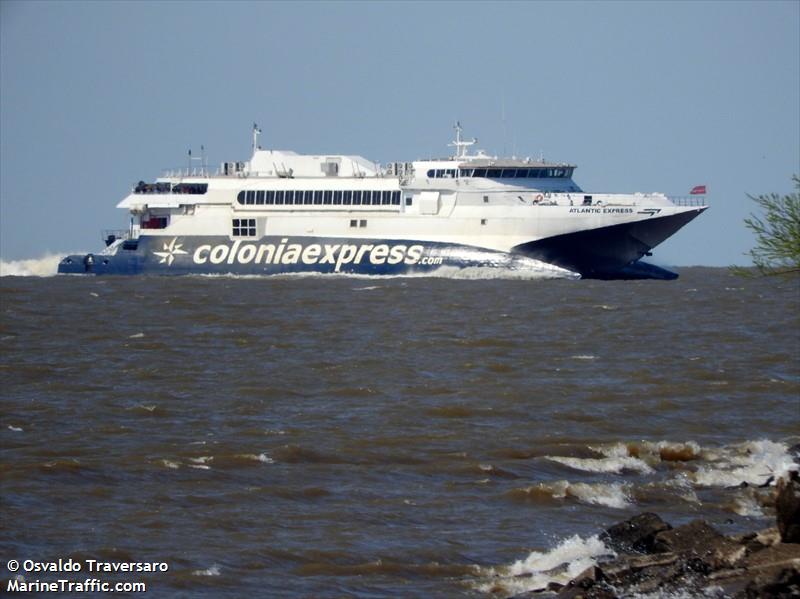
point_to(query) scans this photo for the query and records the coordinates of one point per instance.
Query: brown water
(329, 437)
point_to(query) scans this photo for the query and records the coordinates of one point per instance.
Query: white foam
(513, 268)
(746, 505)
(15, 429)
(46, 266)
(212, 571)
(752, 462)
(545, 271)
(136, 336)
(614, 495)
(170, 464)
(606, 465)
(261, 457)
(561, 564)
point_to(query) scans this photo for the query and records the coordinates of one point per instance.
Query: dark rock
(699, 541)
(694, 538)
(635, 535)
(589, 584)
(787, 508)
(783, 586)
(781, 556)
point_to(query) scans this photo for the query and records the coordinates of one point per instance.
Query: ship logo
(650, 211)
(171, 250)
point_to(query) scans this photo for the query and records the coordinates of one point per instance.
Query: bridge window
(386, 198)
(318, 196)
(270, 199)
(279, 196)
(260, 197)
(155, 222)
(193, 188)
(357, 197)
(308, 197)
(493, 173)
(327, 196)
(337, 197)
(240, 197)
(395, 198)
(347, 197)
(479, 172)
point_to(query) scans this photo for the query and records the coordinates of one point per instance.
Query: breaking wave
(560, 564)
(613, 495)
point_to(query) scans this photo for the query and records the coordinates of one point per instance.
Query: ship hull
(610, 252)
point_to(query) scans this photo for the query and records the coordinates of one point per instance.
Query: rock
(693, 537)
(587, 585)
(780, 556)
(787, 508)
(785, 585)
(794, 452)
(637, 534)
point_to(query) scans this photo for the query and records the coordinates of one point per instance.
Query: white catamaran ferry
(283, 212)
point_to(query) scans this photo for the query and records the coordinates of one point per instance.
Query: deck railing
(696, 200)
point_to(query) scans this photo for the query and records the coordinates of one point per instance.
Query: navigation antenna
(461, 146)
(256, 133)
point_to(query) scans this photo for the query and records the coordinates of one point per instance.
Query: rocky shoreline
(653, 558)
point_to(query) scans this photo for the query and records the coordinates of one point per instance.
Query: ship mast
(461, 146)
(256, 133)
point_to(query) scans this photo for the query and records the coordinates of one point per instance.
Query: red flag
(698, 190)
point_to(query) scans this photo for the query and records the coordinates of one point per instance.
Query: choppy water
(328, 437)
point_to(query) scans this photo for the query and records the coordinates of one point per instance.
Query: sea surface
(363, 437)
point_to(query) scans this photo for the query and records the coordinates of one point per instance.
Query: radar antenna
(459, 145)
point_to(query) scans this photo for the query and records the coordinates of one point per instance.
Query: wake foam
(46, 266)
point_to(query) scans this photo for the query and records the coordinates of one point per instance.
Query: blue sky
(642, 96)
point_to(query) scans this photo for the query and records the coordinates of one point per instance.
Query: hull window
(244, 227)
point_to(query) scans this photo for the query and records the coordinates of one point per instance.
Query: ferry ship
(283, 212)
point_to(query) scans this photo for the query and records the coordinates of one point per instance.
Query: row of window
(246, 227)
(502, 173)
(309, 197)
(192, 188)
